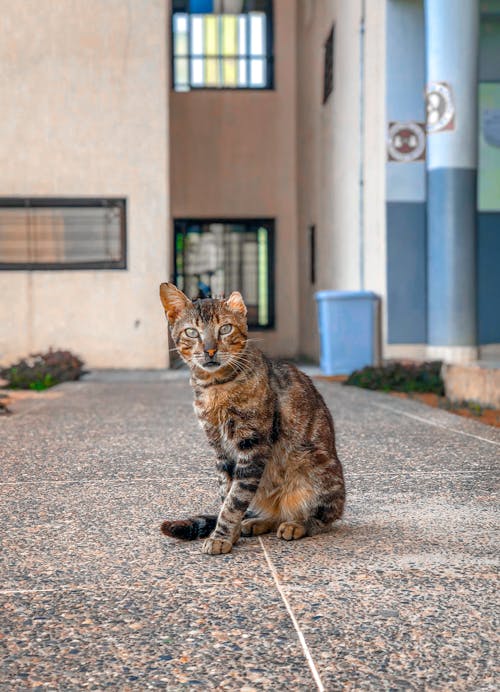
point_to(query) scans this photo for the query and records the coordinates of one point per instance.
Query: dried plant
(42, 370)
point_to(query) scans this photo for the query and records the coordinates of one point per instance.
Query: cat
(270, 428)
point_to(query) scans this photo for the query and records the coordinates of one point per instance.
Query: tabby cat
(270, 428)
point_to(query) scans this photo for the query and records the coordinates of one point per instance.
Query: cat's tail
(200, 526)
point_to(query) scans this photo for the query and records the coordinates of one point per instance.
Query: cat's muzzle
(211, 364)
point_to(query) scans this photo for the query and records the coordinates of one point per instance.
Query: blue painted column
(452, 44)
(406, 183)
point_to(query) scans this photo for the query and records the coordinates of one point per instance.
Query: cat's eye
(225, 329)
(192, 333)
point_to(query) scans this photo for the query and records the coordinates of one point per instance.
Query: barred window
(312, 254)
(62, 234)
(214, 258)
(224, 44)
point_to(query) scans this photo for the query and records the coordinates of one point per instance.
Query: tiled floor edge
(438, 424)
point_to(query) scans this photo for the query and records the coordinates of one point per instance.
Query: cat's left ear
(236, 304)
(173, 300)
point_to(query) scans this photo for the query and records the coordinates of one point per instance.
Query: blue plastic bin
(347, 330)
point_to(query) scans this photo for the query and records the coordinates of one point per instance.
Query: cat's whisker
(242, 368)
(244, 360)
(233, 362)
(240, 365)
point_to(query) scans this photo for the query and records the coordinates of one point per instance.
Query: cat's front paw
(256, 527)
(291, 531)
(217, 546)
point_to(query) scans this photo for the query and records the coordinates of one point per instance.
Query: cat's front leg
(247, 474)
(225, 472)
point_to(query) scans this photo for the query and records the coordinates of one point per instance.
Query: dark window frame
(269, 58)
(270, 224)
(69, 202)
(329, 65)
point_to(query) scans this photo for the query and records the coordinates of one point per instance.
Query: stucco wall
(233, 155)
(350, 255)
(84, 113)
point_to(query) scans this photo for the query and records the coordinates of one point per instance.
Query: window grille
(329, 65)
(222, 44)
(62, 234)
(215, 257)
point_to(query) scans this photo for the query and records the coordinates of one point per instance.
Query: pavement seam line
(100, 481)
(437, 425)
(391, 474)
(301, 637)
(73, 587)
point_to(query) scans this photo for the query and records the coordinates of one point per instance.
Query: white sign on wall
(440, 107)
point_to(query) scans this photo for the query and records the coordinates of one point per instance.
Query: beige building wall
(233, 155)
(338, 160)
(84, 97)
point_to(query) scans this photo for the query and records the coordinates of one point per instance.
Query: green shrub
(42, 370)
(400, 377)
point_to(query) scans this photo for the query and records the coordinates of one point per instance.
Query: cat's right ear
(173, 301)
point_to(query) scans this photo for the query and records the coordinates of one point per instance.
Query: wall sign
(440, 107)
(406, 142)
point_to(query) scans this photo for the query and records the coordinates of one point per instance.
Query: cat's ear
(173, 300)
(236, 304)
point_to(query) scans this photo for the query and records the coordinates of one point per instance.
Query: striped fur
(270, 429)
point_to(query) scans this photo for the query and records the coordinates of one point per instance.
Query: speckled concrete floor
(400, 596)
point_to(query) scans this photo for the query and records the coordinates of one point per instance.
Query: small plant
(400, 377)
(473, 406)
(43, 370)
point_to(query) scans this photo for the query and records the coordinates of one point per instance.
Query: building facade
(278, 148)
(85, 117)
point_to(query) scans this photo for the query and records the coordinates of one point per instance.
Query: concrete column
(452, 40)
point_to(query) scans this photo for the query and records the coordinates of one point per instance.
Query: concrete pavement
(401, 596)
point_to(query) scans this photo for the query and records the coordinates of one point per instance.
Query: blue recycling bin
(347, 330)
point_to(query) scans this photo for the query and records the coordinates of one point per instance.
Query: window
(488, 170)
(222, 44)
(328, 69)
(312, 254)
(62, 234)
(213, 258)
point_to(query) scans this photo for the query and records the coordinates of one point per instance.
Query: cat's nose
(211, 352)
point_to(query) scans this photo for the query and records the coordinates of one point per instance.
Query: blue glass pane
(201, 6)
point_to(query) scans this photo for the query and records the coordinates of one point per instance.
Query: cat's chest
(221, 411)
(211, 406)
(216, 422)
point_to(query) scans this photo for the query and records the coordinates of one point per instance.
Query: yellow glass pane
(211, 34)
(229, 27)
(211, 72)
(230, 72)
(211, 48)
(229, 49)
